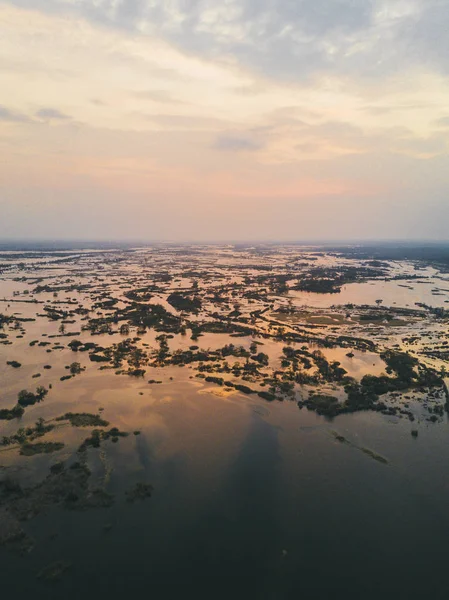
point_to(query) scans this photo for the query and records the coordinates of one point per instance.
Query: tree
(41, 392)
(40, 425)
(75, 368)
(26, 398)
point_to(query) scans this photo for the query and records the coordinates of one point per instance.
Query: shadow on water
(236, 540)
(227, 539)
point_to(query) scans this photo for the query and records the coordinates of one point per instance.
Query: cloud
(442, 123)
(426, 35)
(181, 100)
(236, 143)
(159, 96)
(292, 39)
(185, 122)
(98, 102)
(51, 114)
(398, 107)
(48, 114)
(11, 116)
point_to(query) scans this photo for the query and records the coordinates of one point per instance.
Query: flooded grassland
(222, 419)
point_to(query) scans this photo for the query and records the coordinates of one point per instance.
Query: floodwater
(251, 500)
(403, 294)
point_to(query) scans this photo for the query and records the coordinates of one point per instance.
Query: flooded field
(264, 422)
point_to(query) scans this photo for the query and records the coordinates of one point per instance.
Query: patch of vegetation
(83, 420)
(140, 491)
(7, 414)
(266, 396)
(319, 286)
(98, 436)
(67, 487)
(136, 372)
(14, 364)
(185, 303)
(377, 457)
(26, 434)
(26, 398)
(75, 368)
(54, 571)
(329, 280)
(28, 449)
(217, 380)
(322, 404)
(12, 536)
(95, 357)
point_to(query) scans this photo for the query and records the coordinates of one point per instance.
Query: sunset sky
(224, 120)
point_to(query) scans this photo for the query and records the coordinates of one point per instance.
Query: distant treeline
(429, 253)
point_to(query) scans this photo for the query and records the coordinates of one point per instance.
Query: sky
(207, 120)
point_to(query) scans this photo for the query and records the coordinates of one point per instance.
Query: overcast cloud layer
(207, 120)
